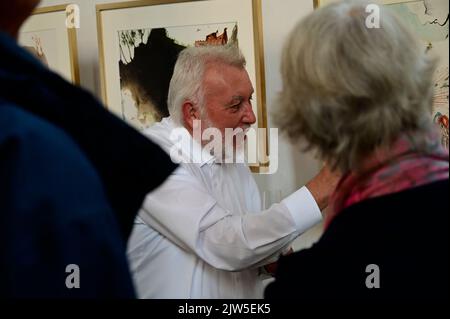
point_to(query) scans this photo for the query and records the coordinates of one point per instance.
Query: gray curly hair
(349, 89)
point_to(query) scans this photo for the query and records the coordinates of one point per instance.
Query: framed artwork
(46, 36)
(428, 19)
(139, 42)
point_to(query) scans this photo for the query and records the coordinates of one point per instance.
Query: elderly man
(202, 234)
(69, 190)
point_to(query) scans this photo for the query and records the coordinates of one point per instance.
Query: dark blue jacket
(72, 178)
(390, 249)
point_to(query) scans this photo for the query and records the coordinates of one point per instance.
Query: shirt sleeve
(303, 208)
(183, 211)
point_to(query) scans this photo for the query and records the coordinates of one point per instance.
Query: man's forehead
(223, 68)
(221, 76)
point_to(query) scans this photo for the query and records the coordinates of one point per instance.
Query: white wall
(295, 168)
(279, 17)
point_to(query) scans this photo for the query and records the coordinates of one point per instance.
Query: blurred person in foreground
(72, 177)
(362, 98)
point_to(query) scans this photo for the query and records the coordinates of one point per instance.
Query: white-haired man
(203, 234)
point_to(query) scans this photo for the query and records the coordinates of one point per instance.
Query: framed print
(428, 19)
(139, 42)
(45, 35)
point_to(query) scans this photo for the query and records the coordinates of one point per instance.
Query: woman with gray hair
(361, 97)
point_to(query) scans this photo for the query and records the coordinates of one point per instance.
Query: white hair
(348, 89)
(187, 79)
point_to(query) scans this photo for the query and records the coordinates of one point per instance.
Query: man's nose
(249, 116)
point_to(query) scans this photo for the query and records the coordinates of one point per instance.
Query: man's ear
(190, 113)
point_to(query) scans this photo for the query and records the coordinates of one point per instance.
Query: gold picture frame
(45, 34)
(320, 3)
(119, 24)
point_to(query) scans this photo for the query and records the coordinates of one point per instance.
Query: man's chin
(235, 154)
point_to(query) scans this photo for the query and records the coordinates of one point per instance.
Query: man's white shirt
(202, 233)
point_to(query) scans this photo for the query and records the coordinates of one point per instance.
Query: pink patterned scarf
(391, 170)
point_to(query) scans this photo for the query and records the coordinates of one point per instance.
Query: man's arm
(185, 213)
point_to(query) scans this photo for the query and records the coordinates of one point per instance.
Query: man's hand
(272, 267)
(323, 185)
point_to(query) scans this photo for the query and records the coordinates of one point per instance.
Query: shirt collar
(191, 151)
